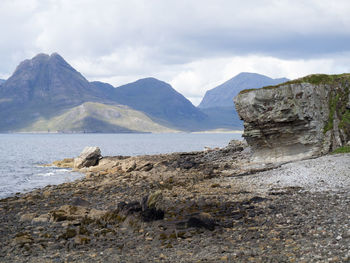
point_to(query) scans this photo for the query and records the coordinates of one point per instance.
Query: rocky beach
(209, 206)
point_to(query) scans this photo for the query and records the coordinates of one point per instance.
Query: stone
(142, 209)
(146, 167)
(68, 212)
(128, 166)
(236, 145)
(96, 214)
(90, 156)
(27, 217)
(295, 120)
(202, 220)
(80, 202)
(81, 240)
(46, 194)
(22, 238)
(69, 233)
(152, 214)
(41, 219)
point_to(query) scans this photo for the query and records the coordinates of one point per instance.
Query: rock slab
(90, 156)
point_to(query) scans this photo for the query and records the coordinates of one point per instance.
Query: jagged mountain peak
(41, 60)
(47, 79)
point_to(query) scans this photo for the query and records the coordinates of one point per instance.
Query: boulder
(299, 119)
(41, 219)
(128, 165)
(68, 213)
(72, 213)
(90, 156)
(202, 220)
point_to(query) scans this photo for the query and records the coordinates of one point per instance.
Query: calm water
(22, 154)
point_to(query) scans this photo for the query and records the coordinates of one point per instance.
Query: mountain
(2, 81)
(161, 102)
(218, 104)
(45, 93)
(222, 95)
(48, 79)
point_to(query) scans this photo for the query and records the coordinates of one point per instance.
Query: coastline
(82, 132)
(217, 207)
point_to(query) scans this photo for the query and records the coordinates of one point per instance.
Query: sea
(22, 156)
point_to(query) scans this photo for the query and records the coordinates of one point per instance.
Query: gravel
(327, 173)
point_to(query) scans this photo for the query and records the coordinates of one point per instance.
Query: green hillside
(97, 117)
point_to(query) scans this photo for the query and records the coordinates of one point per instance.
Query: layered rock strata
(299, 119)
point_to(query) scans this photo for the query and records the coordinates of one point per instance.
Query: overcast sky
(192, 44)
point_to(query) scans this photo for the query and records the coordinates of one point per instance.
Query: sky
(194, 45)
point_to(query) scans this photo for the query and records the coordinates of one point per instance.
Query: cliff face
(299, 119)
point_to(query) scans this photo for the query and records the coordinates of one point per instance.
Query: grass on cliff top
(344, 149)
(312, 79)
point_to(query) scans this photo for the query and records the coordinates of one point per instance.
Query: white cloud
(197, 77)
(194, 45)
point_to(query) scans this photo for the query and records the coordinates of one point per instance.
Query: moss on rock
(344, 149)
(315, 79)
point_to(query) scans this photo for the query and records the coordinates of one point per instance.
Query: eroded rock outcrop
(298, 119)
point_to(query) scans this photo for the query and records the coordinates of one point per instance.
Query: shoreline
(81, 132)
(211, 206)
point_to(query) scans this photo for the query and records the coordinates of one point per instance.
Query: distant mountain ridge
(161, 102)
(2, 81)
(222, 95)
(45, 87)
(218, 104)
(45, 93)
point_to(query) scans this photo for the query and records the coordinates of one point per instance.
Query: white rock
(41, 219)
(27, 217)
(89, 157)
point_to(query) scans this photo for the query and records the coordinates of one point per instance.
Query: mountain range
(159, 101)
(45, 93)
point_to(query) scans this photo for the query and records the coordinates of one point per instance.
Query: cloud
(192, 44)
(194, 79)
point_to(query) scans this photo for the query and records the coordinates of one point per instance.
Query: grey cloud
(172, 32)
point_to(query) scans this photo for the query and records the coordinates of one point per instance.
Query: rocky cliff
(298, 119)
